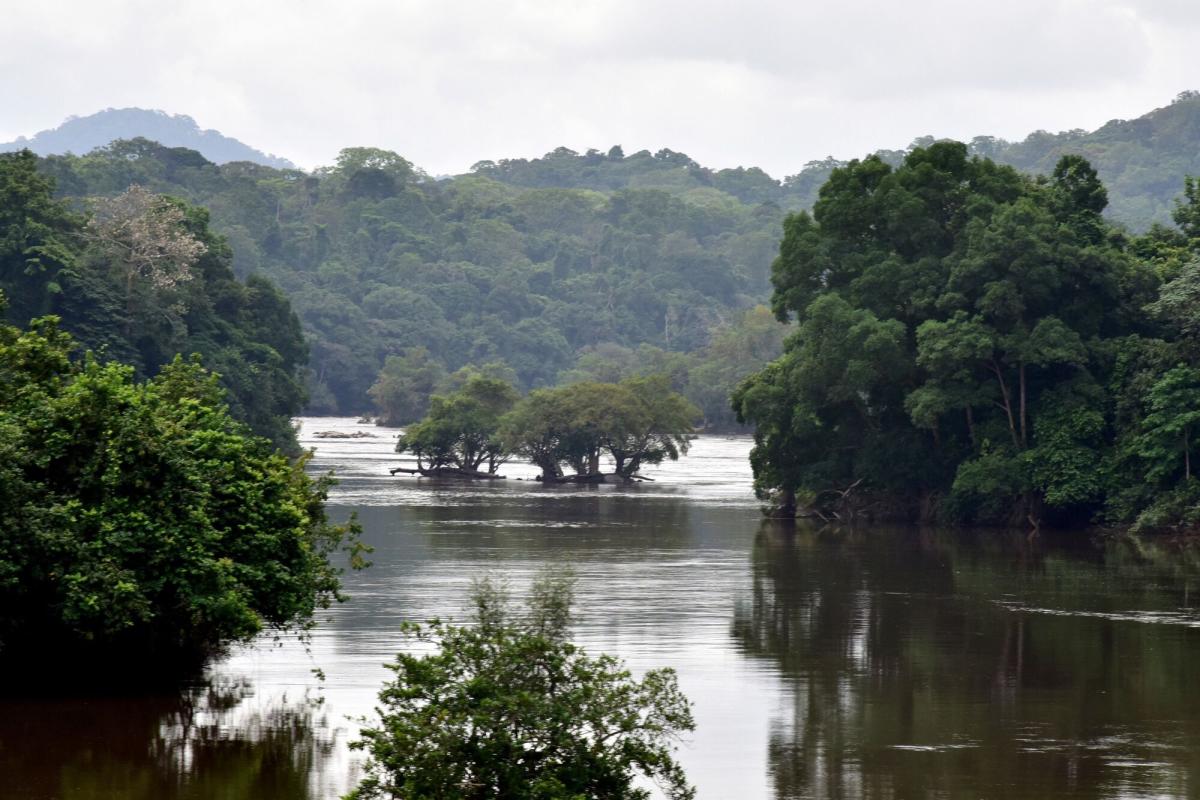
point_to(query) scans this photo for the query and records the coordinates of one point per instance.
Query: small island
(565, 431)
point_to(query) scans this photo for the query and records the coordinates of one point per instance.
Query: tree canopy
(140, 278)
(970, 343)
(637, 421)
(509, 707)
(139, 519)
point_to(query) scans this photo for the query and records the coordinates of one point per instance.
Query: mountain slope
(83, 134)
(1142, 161)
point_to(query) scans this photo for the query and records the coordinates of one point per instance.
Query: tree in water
(508, 707)
(459, 434)
(635, 422)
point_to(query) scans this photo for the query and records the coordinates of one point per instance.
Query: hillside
(1141, 161)
(378, 259)
(571, 265)
(83, 134)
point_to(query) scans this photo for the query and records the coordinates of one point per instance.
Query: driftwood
(448, 472)
(343, 435)
(595, 477)
(830, 513)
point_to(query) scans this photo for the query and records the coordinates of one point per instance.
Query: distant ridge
(81, 135)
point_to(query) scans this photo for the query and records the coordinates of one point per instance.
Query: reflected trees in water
(212, 740)
(922, 663)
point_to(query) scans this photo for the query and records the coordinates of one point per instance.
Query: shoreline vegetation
(144, 529)
(978, 347)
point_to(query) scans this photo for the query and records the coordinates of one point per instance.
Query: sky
(446, 83)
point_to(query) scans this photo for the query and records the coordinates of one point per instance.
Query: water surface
(823, 664)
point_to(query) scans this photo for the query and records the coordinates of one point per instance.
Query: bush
(139, 523)
(508, 708)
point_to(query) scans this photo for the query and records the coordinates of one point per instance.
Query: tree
(508, 707)
(662, 428)
(954, 324)
(143, 237)
(460, 431)
(637, 421)
(1187, 211)
(35, 236)
(404, 386)
(1169, 427)
(139, 523)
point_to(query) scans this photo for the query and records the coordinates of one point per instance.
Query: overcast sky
(449, 82)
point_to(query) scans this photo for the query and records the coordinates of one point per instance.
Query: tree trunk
(1024, 433)
(1187, 457)
(971, 427)
(1012, 425)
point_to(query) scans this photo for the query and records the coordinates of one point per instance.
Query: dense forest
(382, 262)
(139, 278)
(574, 266)
(976, 345)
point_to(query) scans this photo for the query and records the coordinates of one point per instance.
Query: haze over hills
(1141, 161)
(81, 135)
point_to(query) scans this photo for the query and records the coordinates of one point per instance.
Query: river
(878, 663)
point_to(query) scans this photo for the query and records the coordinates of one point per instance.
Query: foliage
(968, 334)
(509, 707)
(405, 385)
(634, 422)
(487, 267)
(138, 519)
(144, 278)
(460, 430)
(706, 377)
(1140, 160)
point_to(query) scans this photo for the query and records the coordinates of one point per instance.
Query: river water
(822, 664)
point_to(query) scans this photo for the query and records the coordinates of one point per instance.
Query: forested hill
(1139, 160)
(599, 264)
(85, 134)
(378, 259)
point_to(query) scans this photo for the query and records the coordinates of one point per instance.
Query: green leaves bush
(509, 707)
(138, 519)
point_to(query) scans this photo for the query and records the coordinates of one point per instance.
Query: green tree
(1170, 424)
(955, 322)
(405, 385)
(508, 707)
(35, 236)
(460, 432)
(637, 421)
(138, 520)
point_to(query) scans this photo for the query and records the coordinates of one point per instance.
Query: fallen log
(447, 472)
(594, 477)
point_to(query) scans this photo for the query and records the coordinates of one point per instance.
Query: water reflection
(925, 664)
(208, 741)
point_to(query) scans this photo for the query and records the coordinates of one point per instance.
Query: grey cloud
(448, 83)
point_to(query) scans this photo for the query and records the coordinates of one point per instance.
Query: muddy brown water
(876, 664)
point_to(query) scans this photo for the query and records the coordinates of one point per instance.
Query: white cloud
(448, 83)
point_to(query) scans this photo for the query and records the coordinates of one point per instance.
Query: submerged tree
(459, 434)
(637, 421)
(508, 707)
